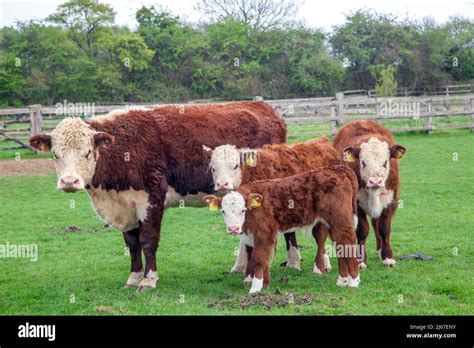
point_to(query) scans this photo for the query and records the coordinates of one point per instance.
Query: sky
(315, 13)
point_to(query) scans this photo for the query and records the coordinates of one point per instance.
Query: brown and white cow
(260, 210)
(370, 150)
(135, 163)
(232, 167)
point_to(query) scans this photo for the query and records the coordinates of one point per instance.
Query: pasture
(82, 272)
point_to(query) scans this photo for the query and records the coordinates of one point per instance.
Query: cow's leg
(136, 269)
(362, 233)
(260, 258)
(321, 261)
(377, 236)
(250, 269)
(294, 256)
(383, 230)
(346, 249)
(241, 262)
(149, 239)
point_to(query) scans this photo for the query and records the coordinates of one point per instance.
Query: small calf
(258, 211)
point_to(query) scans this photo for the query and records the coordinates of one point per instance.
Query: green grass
(195, 253)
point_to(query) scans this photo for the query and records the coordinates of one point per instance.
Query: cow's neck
(373, 202)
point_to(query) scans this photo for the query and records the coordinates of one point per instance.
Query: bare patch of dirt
(72, 229)
(27, 167)
(265, 300)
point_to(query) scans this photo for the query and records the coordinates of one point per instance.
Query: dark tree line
(79, 54)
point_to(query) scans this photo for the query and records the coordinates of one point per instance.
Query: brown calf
(370, 150)
(259, 210)
(232, 167)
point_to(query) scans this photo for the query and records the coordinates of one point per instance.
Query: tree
(84, 20)
(386, 85)
(259, 14)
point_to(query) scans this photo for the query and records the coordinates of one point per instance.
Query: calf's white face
(225, 167)
(75, 148)
(234, 207)
(373, 159)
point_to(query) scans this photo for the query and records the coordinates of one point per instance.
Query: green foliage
(386, 85)
(79, 54)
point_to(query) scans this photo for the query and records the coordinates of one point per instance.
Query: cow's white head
(225, 167)
(234, 206)
(373, 159)
(75, 147)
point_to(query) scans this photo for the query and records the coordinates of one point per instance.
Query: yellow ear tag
(254, 203)
(349, 157)
(399, 154)
(250, 161)
(213, 206)
(44, 148)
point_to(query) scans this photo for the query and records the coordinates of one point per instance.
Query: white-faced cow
(135, 163)
(259, 211)
(370, 150)
(232, 167)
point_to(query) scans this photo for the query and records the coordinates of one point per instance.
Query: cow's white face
(234, 206)
(225, 167)
(373, 159)
(75, 146)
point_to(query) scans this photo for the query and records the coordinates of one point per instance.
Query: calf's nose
(69, 183)
(233, 229)
(222, 185)
(375, 182)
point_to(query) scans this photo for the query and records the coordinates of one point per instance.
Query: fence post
(334, 120)
(430, 119)
(257, 98)
(36, 120)
(340, 107)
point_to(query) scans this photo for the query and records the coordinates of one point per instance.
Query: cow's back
(355, 132)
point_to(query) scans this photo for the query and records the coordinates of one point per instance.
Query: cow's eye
(88, 154)
(385, 164)
(55, 155)
(243, 211)
(212, 169)
(223, 212)
(363, 164)
(236, 166)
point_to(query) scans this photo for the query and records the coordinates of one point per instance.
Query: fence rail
(324, 114)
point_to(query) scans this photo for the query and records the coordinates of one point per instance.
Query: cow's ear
(351, 153)
(102, 138)
(254, 200)
(41, 142)
(212, 201)
(207, 150)
(397, 151)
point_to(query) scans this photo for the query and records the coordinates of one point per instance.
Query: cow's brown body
(280, 160)
(327, 195)
(354, 134)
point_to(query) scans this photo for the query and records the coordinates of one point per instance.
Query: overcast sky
(316, 13)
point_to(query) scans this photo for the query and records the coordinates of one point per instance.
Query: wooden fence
(305, 117)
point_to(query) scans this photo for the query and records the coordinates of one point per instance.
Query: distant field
(83, 272)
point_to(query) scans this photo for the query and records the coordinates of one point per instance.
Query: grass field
(83, 272)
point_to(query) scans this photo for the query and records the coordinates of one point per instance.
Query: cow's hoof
(248, 279)
(354, 282)
(389, 262)
(343, 281)
(327, 264)
(296, 266)
(362, 265)
(134, 280)
(149, 282)
(316, 270)
(257, 285)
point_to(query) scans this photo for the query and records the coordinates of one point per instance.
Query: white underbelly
(122, 210)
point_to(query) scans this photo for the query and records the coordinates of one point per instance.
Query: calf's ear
(207, 150)
(102, 138)
(397, 151)
(254, 200)
(351, 153)
(212, 201)
(41, 142)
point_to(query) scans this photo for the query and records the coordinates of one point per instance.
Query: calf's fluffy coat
(259, 210)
